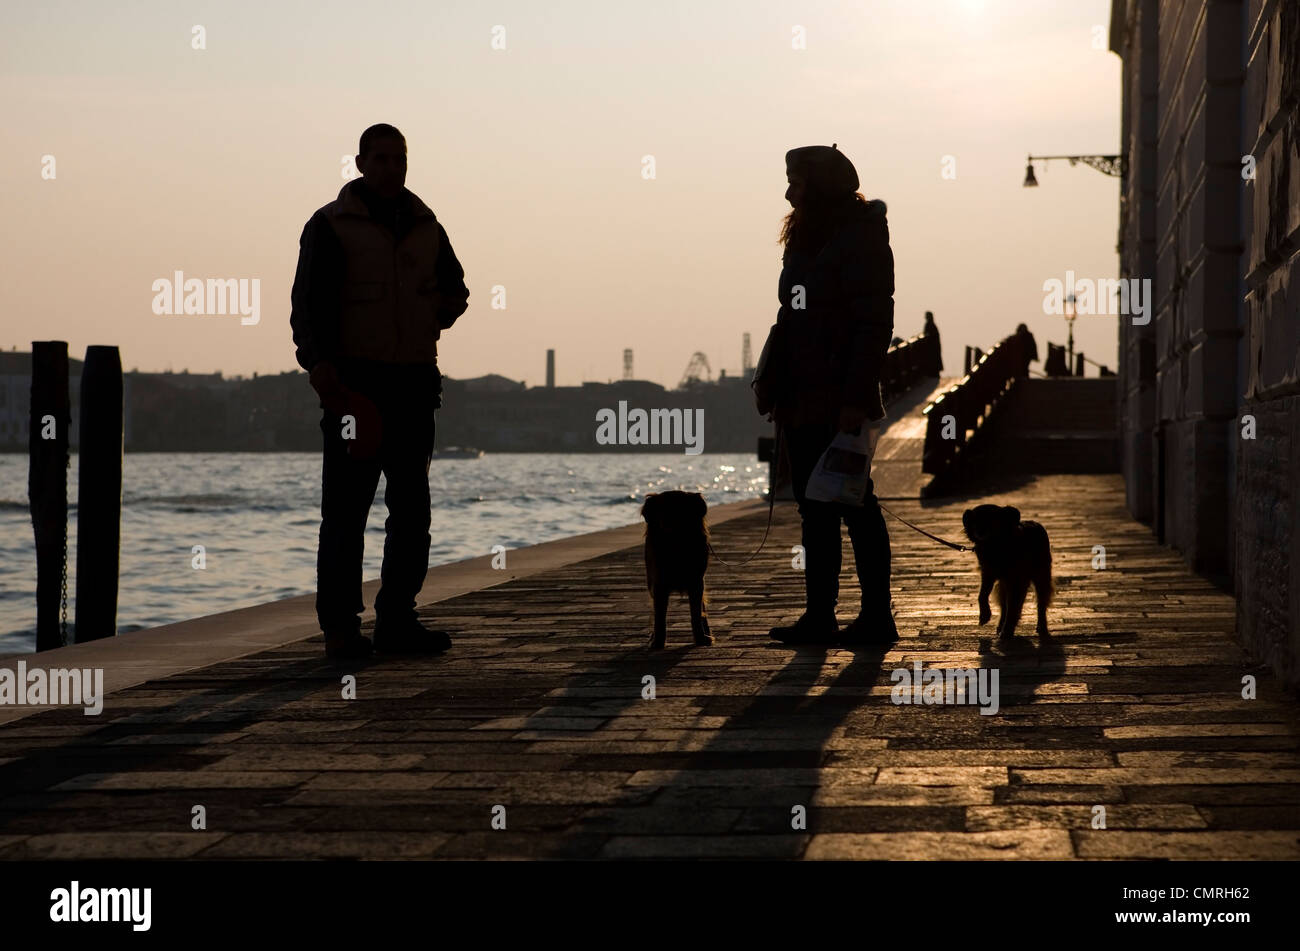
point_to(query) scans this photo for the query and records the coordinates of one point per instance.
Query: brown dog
(676, 557)
(1013, 554)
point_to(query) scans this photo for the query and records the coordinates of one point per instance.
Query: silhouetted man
(377, 283)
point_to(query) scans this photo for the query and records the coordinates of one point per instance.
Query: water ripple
(257, 516)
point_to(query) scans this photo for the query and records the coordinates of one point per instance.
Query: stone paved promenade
(1134, 705)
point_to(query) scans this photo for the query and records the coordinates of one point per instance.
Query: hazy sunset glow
(208, 161)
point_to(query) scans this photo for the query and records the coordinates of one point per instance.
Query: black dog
(676, 557)
(1013, 554)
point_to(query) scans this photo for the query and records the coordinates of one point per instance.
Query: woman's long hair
(811, 225)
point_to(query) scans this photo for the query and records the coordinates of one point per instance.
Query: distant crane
(696, 371)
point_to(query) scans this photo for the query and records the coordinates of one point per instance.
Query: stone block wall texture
(1211, 89)
(1268, 471)
(1135, 29)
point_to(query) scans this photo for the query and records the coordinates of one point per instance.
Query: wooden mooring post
(99, 494)
(49, 423)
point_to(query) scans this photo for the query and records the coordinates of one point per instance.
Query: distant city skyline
(540, 381)
(133, 155)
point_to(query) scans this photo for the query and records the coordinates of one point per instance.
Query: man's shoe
(876, 630)
(410, 637)
(347, 646)
(817, 627)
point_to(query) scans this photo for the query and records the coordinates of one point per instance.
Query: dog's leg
(1013, 602)
(1000, 592)
(986, 585)
(699, 617)
(1043, 596)
(660, 635)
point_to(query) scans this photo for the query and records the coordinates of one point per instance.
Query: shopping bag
(842, 472)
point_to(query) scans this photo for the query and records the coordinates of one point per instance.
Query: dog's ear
(698, 505)
(1011, 515)
(650, 498)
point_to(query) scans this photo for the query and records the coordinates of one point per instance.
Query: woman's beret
(825, 167)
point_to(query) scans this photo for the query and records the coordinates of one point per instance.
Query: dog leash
(771, 507)
(917, 528)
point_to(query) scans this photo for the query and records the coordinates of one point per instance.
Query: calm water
(258, 516)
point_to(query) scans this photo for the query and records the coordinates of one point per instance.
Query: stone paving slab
(539, 721)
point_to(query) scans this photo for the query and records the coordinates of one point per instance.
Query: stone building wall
(1133, 36)
(1268, 471)
(1211, 89)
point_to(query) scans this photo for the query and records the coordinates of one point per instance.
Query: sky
(209, 161)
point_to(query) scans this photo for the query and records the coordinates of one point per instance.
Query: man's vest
(390, 291)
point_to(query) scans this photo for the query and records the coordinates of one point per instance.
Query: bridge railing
(956, 414)
(907, 362)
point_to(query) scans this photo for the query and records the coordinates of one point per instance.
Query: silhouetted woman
(826, 355)
(930, 329)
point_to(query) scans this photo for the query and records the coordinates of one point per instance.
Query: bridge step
(1059, 452)
(1054, 426)
(1060, 406)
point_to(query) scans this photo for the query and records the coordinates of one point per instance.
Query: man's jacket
(834, 347)
(376, 280)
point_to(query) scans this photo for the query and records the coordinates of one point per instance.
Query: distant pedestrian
(377, 284)
(930, 329)
(1028, 350)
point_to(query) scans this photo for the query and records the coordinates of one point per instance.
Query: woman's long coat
(836, 320)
